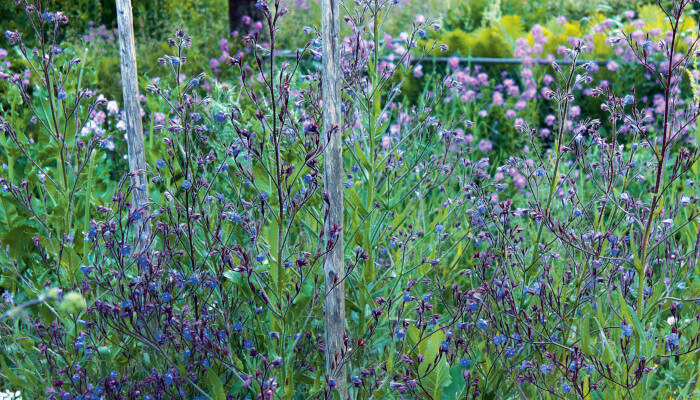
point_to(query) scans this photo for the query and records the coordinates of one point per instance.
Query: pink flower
(454, 62)
(386, 141)
(549, 120)
(574, 111)
(246, 20)
(159, 118)
(497, 99)
(521, 105)
(561, 20)
(485, 146)
(629, 14)
(548, 79)
(100, 117)
(519, 181)
(519, 122)
(418, 71)
(612, 66)
(510, 113)
(483, 113)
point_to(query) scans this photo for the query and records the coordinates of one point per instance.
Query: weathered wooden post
(134, 128)
(334, 268)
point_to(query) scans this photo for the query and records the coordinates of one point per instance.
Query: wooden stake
(134, 128)
(333, 267)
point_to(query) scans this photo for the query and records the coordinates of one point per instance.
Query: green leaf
(216, 388)
(456, 387)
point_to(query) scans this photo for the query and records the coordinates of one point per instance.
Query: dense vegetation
(509, 232)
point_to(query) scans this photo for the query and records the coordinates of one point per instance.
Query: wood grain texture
(334, 269)
(134, 127)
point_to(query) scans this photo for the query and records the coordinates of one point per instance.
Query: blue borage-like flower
(499, 340)
(673, 339)
(627, 330)
(565, 387)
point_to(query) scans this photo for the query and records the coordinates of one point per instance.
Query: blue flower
(186, 184)
(186, 353)
(407, 297)
(627, 330)
(166, 297)
(62, 94)
(127, 303)
(48, 16)
(577, 212)
(565, 387)
(544, 368)
(483, 324)
(445, 346)
(260, 257)
(160, 163)
(510, 352)
(259, 4)
(126, 250)
(168, 378)
(220, 116)
(465, 363)
(248, 344)
(673, 339)
(349, 183)
(85, 270)
(629, 99)
(194, 82)
(439, 229)
(499, 340)
(400, 333)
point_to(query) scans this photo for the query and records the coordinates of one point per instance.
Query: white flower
(121, 125)
(112, 107)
